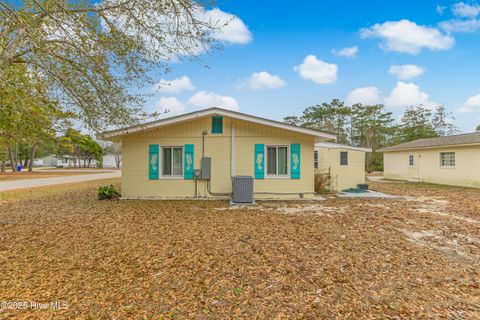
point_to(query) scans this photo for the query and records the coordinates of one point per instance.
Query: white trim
(331, 145)
(277, 176)
(170, 176)
(108, 135)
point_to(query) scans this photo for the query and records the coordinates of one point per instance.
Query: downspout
(232, 150)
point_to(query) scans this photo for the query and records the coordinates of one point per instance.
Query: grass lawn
(24, 175)
(415, 257)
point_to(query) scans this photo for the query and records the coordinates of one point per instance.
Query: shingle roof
(459, 139)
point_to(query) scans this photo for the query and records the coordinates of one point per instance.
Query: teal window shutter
(295, 161)
(259, 161)
(217, 124)
(188, 162)
(153, 162)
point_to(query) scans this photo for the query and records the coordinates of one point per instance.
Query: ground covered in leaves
(412, 257)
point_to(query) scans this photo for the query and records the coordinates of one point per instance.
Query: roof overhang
(443, 146)
(331, 145)
(116, 135)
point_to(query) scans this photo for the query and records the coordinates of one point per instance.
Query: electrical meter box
(206, 171)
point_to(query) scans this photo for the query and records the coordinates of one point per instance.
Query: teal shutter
(217, 124)
(153, 162)
(295, 161)
(259, 161)
(188, 162)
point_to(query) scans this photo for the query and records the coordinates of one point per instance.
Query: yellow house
(451, 160)
(196, 155)
(344, 164)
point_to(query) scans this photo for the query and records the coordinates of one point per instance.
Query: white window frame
(163, 176)
(411, 160)
(277, 176)
(450, 160)
(316, 159)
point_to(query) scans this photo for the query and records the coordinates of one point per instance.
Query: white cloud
(365, 96)
(204, 99)
(348, 52)
(231, 28)
(458, 25)
(407, 94)
(470, 105)
(440, 9)
(464, 10)
(264, 80)
(171, 105)
(407, 37)
(316, 70)
(169, 32)
(174, 86)
(406, 71)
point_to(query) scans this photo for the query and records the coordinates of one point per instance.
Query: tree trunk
(13, 161)
(32, 157)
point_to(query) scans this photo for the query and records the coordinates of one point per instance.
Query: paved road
(31, 183)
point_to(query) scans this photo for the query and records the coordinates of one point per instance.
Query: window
(172, 163)
(315, 159)
(217, 124)
(447, 159)
(410, 160)
(277, 160)
(343, 158)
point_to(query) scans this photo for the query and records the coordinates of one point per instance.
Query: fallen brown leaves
(338, 258)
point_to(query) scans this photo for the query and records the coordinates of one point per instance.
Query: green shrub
(108, 192)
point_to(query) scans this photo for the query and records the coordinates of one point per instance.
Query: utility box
(206, 172)
(242, 190)
(197, 174)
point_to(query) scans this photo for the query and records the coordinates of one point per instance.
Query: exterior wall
(343, 176)
(427, 168)
(136, 183)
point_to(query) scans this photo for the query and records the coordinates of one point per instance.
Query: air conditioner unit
(242, 190)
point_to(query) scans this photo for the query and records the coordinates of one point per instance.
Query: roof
(116, 134)
(331, 145)
(455, 140)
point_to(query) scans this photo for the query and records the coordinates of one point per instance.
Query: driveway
(31, 183)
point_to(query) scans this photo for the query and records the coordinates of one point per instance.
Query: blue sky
(278, 59)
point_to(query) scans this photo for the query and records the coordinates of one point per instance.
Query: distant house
(111, 160)
(199, 153)
(53, 161)
(451, 160)
(343, 163)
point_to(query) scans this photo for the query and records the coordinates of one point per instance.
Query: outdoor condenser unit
(242, 190)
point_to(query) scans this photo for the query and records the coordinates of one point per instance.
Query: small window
(410, 160)
(315, 159)
(447, 159)
(343, 158)
(217, 125)
(172, 164)
(277, 160)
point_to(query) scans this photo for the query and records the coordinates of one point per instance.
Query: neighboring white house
(111, 160)
(53, 161)
(345, 165)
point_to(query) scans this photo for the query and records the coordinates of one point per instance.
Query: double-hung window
(172, 161)
(410, 160)
(277, 160)
(447, 159)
